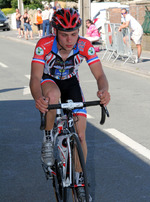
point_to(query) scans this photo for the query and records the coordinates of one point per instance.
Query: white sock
(48, 135)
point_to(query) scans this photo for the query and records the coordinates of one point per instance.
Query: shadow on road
(10, 89)
(114, 173)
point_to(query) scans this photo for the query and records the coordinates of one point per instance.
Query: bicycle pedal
(49, 172)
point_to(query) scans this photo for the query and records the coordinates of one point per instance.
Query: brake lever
(104, 112)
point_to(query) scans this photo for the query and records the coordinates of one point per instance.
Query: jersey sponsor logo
(61, 72)
(81, 45)
(39, 51)
(91, 51)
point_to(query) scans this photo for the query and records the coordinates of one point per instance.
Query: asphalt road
(117, 171)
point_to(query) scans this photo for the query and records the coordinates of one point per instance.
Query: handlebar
(75, 105)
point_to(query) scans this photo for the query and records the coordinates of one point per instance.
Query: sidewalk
(141, 69)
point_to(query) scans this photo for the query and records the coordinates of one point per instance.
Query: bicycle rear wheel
(77, 150)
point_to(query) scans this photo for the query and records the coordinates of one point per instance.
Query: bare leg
(41, 32)
(50, 90)
(26, 34)
(31, 34)
(19, 31)
(139, 50)
(80, 129)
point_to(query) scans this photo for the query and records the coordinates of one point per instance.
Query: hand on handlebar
(42, 104)
(104, 97)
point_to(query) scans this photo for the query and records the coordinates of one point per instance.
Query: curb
(131, 70)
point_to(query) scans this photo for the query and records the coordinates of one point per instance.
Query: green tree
(14, 3)
(33, 4)
(5, 4)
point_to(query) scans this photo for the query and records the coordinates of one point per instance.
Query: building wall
(114, 15)
(136, 9)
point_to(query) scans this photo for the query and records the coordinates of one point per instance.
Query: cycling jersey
(64, 73)
(46, 53)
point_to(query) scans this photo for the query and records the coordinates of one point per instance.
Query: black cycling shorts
(70, 90)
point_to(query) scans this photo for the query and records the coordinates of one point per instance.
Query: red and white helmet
(66, 19)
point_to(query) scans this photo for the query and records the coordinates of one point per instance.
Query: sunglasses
(123, 13)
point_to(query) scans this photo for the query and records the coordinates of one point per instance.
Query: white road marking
(3, 65)
(28, 76)
(125, 140)
(26, 90)
(89, 116)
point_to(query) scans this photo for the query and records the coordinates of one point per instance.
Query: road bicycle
(66, 148)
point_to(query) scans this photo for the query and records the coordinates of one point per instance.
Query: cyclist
(54, 75)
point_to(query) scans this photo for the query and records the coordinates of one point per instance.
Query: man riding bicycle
(54, 75)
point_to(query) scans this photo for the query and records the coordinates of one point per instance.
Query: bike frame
(70, 129)
(65, 180)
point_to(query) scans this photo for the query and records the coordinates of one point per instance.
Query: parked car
(4, 22)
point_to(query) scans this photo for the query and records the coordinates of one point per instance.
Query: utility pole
(85, 13)
(21, 6)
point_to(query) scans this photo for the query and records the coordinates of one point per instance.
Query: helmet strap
(62, 48)
(58, 41)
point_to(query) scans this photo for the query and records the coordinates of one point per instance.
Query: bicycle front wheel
(78, 153)
(61, 193)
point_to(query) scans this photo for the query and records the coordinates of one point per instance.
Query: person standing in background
(51, 11)
(58, 6)
(27, 25)
(46, 23)
(39, 22)
(136, 31)
(18, 22)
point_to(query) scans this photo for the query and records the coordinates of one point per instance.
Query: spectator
(54, 8)
(45, 18)
(18, 22)
(58, 6)
(51, 11)
(27, 25)
(136, 31)
(92, 32)
(39, 22)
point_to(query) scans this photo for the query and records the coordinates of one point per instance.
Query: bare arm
(35, 87)
(102, 83)
(124, 25)
(18, 15)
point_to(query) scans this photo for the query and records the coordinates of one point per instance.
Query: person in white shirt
(51, 11)
(136, 30)
(45, 18)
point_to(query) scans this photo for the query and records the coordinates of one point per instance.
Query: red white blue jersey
(46, 53)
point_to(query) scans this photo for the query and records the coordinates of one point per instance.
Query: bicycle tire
(61, 193)
(76, 144)
(56, 184)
